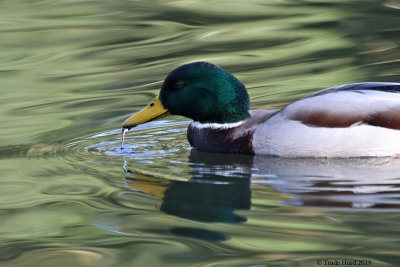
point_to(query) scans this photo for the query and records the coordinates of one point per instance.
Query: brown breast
(228, 140)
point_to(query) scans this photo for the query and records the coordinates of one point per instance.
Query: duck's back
(353, 120)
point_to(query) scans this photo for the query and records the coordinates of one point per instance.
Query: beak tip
(127, 127)
(153, 111)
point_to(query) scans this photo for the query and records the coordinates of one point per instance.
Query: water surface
(72, 71)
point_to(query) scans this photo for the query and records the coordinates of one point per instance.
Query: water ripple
(72, 71)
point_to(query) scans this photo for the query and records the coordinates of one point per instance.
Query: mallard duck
(353, 120)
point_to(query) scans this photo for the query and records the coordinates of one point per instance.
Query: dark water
(72, 71)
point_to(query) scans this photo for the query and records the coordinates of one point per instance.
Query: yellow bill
(153, 111)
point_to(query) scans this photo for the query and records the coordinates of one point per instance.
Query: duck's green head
(201, 91)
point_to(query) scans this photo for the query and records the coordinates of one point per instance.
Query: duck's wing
(376, 86)
(372, 103)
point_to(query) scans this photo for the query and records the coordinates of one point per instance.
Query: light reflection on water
(72, 71)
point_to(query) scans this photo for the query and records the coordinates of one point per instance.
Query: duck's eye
(178, 85)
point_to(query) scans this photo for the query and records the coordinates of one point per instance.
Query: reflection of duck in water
(219, 186)
(367, 183)
(352, 120)
(217, 189)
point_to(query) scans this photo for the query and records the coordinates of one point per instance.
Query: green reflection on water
(71, 71)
